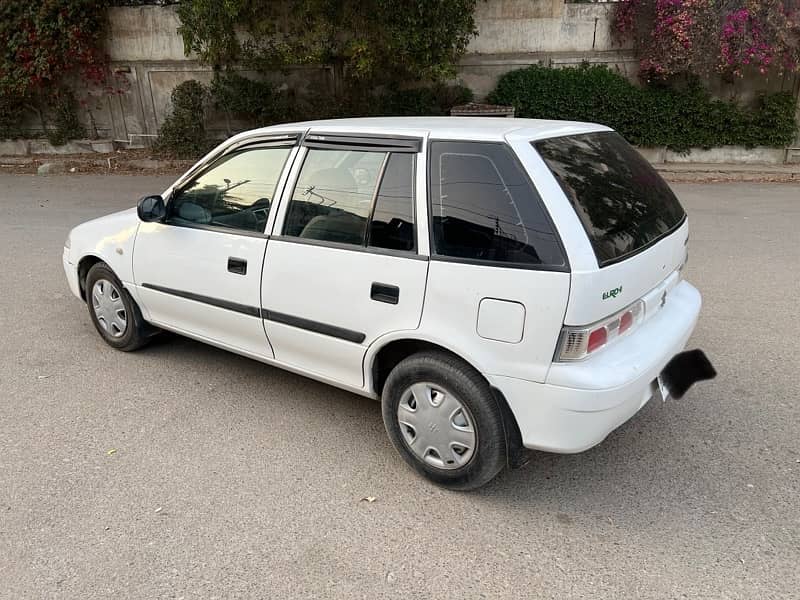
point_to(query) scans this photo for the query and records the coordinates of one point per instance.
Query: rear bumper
(582, 403)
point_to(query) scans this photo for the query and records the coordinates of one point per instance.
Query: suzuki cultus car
(499, 284)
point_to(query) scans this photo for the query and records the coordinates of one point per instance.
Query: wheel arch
(84, 264)
(381, 359)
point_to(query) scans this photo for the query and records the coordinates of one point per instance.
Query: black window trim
(434, 256)
(411, 254)
(250, 143)
(220, 229)
(291, 139)
(363, 141)
(375, 192)
(364, 246)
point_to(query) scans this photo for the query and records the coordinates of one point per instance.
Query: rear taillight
(577, 343)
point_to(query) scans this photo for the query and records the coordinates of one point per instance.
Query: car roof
(450, 128)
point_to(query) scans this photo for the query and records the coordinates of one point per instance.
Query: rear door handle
(237, 265)
(383, 292)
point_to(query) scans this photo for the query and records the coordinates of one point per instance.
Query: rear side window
(623, 203)
(484, 207)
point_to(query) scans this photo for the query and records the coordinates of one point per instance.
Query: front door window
(236, 192)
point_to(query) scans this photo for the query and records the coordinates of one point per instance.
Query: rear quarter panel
(452, 303)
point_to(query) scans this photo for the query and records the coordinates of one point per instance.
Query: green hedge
(652, 116)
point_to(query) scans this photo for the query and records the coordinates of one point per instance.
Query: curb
(141, 163)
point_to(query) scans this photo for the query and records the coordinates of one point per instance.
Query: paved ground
(232, 479)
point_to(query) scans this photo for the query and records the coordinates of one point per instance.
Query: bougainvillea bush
(701, 37)
(44, 44)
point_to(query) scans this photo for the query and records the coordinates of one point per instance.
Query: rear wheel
(114, 313)
(443, 420)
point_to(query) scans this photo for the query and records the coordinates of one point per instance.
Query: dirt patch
(121, 161)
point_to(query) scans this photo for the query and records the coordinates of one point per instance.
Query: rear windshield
(623, 203)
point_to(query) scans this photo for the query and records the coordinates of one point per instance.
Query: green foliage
(435, 100)
(65, 124)
(255, 101)
(12, 112)
(373, 41)
(44, 43)
(45, 46)
(183, 134)
(649, 116)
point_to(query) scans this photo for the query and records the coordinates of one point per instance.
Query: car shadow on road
(633, 468)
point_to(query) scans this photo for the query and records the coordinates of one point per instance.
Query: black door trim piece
(251, 311)
(322, 328)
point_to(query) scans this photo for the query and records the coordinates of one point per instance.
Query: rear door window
(484, 208)
(622, 201)
(354, 197)
(392, 224)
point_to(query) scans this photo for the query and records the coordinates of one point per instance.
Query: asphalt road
(185, 471)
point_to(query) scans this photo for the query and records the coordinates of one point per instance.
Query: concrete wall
(148, 55)
(516, 33)
(144, 45)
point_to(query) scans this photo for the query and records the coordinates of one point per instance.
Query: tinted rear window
(623, 203)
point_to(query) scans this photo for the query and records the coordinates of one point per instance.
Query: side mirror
(151, 208)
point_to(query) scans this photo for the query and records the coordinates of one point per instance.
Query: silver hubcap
(109, 308)
(436, 426)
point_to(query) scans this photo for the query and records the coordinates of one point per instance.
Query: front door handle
(383, 292)
(237, 265)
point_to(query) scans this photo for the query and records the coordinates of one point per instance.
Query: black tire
(138, 332)
(457, 377)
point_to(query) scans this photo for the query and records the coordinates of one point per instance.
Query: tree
(367, 41)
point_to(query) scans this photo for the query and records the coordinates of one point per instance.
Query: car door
(342, 267)
(199, 272)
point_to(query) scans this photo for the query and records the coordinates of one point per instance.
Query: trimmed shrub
(651, 116)
(183, 134)
(66, 125)
(435, 100)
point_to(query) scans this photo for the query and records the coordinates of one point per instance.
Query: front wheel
(114, 313)
(443, 420)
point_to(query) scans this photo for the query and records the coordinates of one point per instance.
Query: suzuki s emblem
(433, 427)
(663, 299)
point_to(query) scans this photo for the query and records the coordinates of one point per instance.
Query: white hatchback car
(500, 284)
